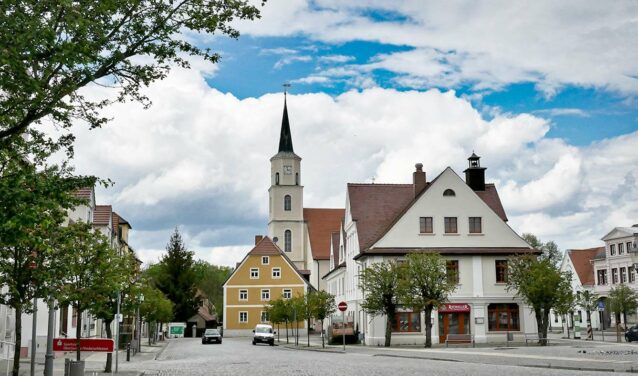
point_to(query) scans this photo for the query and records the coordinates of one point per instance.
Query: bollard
(128, 352)
(590, 333)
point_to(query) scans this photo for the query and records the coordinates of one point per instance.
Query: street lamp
(138, 323)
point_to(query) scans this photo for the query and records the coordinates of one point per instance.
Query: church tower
(285, 210)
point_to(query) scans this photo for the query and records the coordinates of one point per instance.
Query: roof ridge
(380, 184)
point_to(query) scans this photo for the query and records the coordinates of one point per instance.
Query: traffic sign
(601, 306)
(86, 344)
(343, 306)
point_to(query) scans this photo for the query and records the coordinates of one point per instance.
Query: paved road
(237, 356)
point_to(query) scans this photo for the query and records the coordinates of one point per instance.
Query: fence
(6, 357)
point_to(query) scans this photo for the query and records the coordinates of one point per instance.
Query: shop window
(450, 225)
(503, 317)
(407, 322)
(501, 271)
(475, 225)
(452, 270)
(425, 225)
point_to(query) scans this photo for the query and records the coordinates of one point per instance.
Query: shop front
(454, 318)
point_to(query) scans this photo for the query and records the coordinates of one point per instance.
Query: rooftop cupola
(475, 174)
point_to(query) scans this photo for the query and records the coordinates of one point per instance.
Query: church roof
(285, 138)
(321, 224)
(581, 259)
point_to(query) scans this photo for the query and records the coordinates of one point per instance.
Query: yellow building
(265, 274)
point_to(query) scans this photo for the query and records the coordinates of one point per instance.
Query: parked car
(211, 335)
(264, 334)
(632, 334)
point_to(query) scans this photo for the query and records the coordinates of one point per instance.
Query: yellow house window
(254, 273)
(265, 260)
(287, 294)
(243, 294)
(276, 273)
(265, 294)
(243, 317)
(264, 316)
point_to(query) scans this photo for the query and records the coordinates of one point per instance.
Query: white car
(264, 334)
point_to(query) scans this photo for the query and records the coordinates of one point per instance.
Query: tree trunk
(78, 334)
(109, 356)
(617, 327)
(624, 316)
(544, 325)
(566, 325)
(287, 342)
(308, 330)
(16, 348)
(278, 331)
(323, 344)
(428, 326)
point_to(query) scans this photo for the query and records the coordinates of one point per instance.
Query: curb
(326, 350)
(157, 354)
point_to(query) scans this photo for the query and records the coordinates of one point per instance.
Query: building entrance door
(453, 319)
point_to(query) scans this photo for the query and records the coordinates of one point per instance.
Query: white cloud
(290, 60)
(199, 159)
(336, 58)
(563, 112)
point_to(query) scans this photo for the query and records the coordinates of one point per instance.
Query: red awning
(454, 308)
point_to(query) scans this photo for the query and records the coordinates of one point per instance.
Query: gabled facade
(266, 273)
(462, 220)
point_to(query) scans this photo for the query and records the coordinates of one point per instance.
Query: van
(263, 333)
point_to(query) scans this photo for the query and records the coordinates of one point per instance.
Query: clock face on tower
(287, 170)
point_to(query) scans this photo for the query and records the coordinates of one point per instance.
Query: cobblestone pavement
(237, 356)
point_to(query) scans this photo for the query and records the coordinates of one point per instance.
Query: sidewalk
(95, 362)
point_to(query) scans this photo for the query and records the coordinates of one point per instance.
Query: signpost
(86, 344)
(601, 318)
(343, 306)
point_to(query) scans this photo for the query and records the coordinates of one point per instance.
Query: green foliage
(541, 284)
(426, 286)
(178, 280)
(278, 311)
(549, 249)
(52, 49)
(380, 284)
(321, 305)
(156, 307)
(211, 280)
(589, 302)
(623, 300)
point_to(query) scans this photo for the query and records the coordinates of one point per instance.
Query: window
(452, 270)
(254, 273)
(265, 294)
(450, 225)
(264, 316)
(623, 273)
(287, 294)
(503, 317)
(577, 295)
(501, 271)
(449, 193)
(612, 249)
(475, 225)
(276, 273)
(243, 294)
(555, 318)
(265, 260)
(425, 225)
(614, 276)
(287, 203)
(297, 178)
(276, 178)
(288, 241)
(629, 246)
(621, 248)
(243, 316)
(407, 322)
(632, 276)
(602, 277)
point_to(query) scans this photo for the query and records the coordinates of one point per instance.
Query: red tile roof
(449, 251)
(265, 247)
(491, 198)
(581, 259)
(102, 215)
(84, 193)
(116, 222)
(335, 246)
(321, 224)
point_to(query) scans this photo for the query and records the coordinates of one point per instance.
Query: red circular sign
(343, 306)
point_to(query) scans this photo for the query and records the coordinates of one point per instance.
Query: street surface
(237, 356)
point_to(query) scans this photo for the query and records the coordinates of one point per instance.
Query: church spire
(285, 139)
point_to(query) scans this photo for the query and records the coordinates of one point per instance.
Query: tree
(549, 250)
(589, 302)
(380, 284)
(52, 49)
(321, 306)
(155, 308)
(211, 280)
(564, 305)
(277, 314)
(93, 271)
(178, 280)
(34, 199)
(540, 283)
(299, 309)
(426, 285)
(622, 301)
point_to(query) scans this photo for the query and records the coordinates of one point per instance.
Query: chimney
(258, 238)
(418, 179)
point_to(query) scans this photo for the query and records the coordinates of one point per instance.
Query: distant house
(266, 273)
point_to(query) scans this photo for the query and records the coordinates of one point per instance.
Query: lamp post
(138, 323)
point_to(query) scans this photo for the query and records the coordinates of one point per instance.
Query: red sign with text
(343, 306)
(86, 344)
(454, 307)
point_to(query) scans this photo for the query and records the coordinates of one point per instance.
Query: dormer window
(287, 203)
(449, 193)
(276, 178)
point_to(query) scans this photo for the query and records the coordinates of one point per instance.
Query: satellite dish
(275, 239)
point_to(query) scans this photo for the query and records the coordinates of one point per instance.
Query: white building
(464, 221)
(617, 265)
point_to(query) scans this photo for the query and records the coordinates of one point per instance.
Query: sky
(545, 92)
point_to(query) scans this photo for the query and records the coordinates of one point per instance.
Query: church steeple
(285, 138)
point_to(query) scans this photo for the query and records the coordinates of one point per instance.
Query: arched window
(297, 178)
(448, 192)
(276, 178)
(287, 203)
(288, 241)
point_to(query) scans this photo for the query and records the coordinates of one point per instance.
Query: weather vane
(286, 85)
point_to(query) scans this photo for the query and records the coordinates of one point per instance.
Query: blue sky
(546, 92)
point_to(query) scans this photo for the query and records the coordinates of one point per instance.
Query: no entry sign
(343, 306)
(86, 344)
